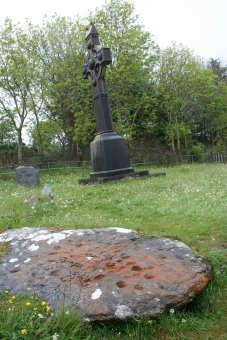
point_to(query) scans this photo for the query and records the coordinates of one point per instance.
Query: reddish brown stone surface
(102, 273)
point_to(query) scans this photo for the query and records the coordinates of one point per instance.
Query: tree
(38, 89)
(13, 93)
(67, 96)
(51, 134)
(219, 70)
(216, 119)
(19, 84)
(186, 93)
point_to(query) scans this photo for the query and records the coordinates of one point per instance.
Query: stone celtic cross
(109, 156)
(94, 70)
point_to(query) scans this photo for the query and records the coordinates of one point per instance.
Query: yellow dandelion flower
(10, 301)
(13, 297)
(28, 304)
(23, 331)
(43, 303)
(48, 309)
(6, 291)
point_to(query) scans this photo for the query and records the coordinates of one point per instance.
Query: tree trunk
(177, 135)
(186, 143)
(40, 142)
(19, 147)
(72, 148)
(172, 144)
(79, 155)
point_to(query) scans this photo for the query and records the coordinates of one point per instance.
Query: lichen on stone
(4, 249)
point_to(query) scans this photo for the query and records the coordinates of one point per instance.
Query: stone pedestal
(110, 160)
(109, 156)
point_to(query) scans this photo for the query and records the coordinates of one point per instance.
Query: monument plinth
(109, 156)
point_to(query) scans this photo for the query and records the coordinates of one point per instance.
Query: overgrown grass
(188, 204)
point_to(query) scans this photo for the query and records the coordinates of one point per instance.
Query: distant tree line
(164, 97)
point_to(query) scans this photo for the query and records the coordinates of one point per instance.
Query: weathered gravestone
(27, 176)
(102, 274)
(109, 156)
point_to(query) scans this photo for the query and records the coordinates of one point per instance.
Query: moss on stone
(4, 249)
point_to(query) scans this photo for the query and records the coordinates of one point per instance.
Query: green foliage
(68, 95)
(7, 134)
(27, 317)
(18, 79)
(197, 151)
(188, 91)
(27, 310)
(217, 120)
(8, 153)
(169, 95)
(50, 133)
(218, 69)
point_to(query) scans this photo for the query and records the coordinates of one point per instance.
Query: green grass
(188, 204)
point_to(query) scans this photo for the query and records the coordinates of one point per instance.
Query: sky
(198, 24)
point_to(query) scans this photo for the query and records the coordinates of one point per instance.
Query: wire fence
(86, 165)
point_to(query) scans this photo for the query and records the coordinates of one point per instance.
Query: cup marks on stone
(103, 271)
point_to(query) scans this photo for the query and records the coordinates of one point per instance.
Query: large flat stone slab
(102, 274)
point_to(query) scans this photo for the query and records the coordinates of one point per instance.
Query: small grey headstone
(27, 175)
(46, 191)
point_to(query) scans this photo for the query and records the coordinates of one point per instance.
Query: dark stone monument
(108, 152)
(27, 176)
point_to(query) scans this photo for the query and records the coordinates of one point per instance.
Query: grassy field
(189, 204)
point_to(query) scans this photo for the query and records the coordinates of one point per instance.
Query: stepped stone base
(102, 179)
